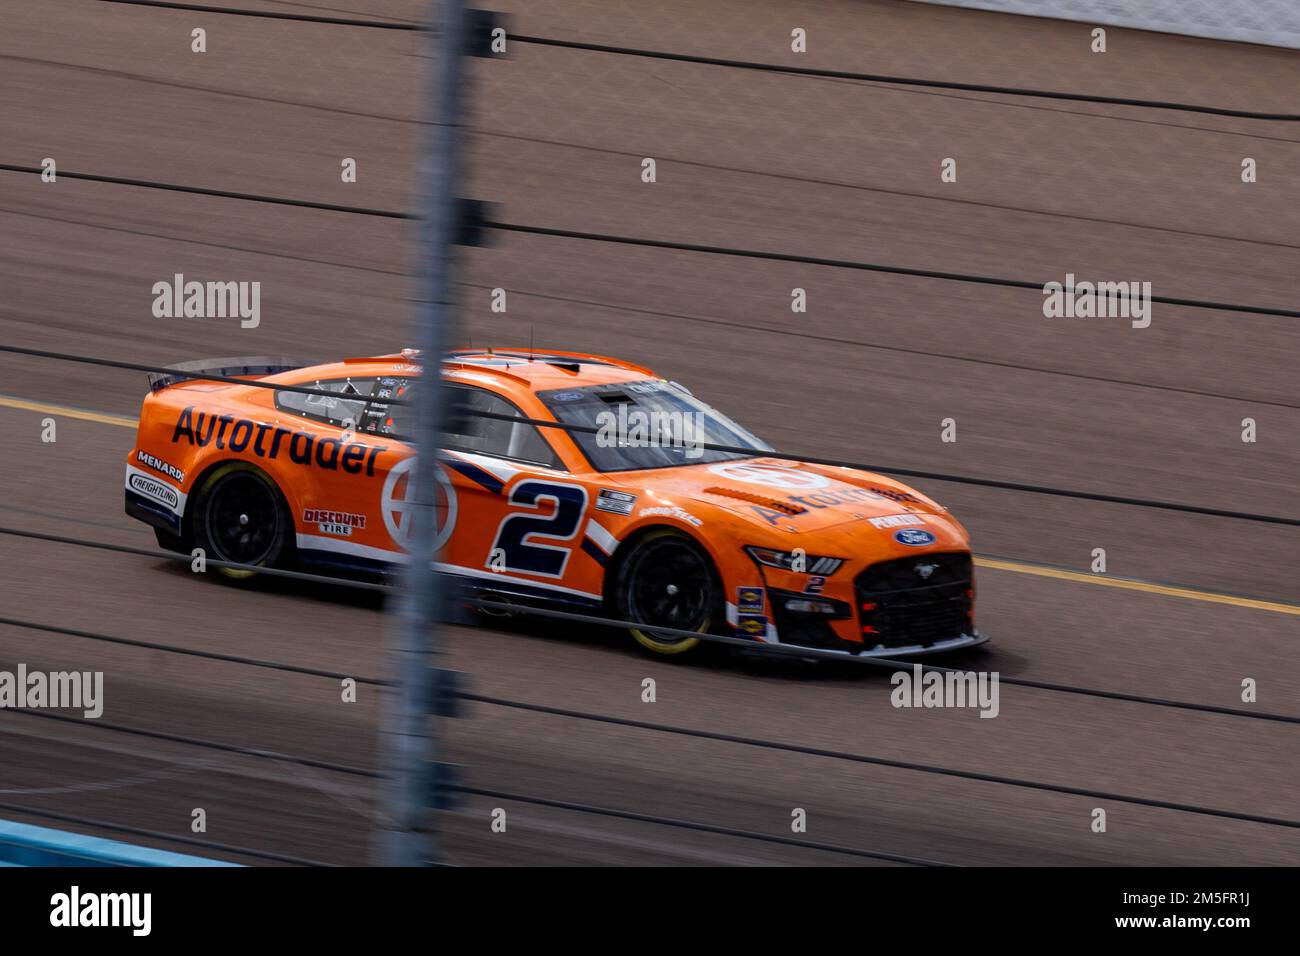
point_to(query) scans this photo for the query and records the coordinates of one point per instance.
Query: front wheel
(668, 581)
(240, 516)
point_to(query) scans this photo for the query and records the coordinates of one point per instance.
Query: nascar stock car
(667, 534)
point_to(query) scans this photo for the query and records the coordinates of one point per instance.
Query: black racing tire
(241, 516)
(669, 580)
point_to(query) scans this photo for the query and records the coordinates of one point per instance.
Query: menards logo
(157, 464)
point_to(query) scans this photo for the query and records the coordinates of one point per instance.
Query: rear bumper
(142, 509)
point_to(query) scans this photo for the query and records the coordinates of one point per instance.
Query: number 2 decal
(518, 531)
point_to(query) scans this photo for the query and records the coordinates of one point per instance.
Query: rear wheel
(668, 581)
(241, 517)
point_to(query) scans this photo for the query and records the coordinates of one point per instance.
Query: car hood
(791, 496)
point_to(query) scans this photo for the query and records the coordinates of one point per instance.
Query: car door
(518, 513)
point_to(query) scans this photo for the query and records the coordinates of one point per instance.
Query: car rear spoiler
(231, 367)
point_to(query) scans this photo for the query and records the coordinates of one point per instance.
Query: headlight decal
(797, 560)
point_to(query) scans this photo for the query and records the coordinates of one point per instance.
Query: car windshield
(648, 423)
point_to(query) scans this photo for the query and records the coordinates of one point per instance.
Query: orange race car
(638, 521)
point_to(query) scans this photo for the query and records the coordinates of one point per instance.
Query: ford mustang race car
(638, 521)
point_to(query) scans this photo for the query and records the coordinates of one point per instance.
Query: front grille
(899, 607)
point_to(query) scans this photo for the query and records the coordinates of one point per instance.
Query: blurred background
(809, 166)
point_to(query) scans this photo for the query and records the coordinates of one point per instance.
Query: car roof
(536, 370)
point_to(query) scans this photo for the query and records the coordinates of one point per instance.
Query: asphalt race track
(765, 161)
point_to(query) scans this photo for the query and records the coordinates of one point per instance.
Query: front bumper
(899, 607)
(973, 639)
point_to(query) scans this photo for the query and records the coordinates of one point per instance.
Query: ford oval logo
(914, 537)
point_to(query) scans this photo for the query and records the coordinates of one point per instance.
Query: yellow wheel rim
(666, 647)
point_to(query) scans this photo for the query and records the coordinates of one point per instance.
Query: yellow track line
(101, 417)
(1131, 584)
(996, 564)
